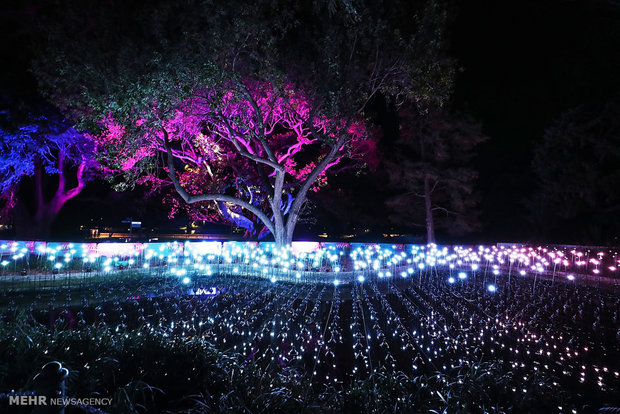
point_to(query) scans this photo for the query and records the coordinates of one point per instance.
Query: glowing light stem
(420, 281)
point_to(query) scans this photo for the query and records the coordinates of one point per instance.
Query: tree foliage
(226, 96)
(576, 165)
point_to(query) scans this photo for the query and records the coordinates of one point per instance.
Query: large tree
(255, 149)
(248, 104)
(430, 172)
(576, 163)
(44, 163)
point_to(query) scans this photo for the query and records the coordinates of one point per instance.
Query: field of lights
(320, 327)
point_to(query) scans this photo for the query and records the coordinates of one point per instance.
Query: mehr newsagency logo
(35, 400)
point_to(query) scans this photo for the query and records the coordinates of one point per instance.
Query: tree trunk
(43, 225)
(428, 206)
(32, 227)
(38, 226)
(291, 223)
(280, 235)
(276, 208)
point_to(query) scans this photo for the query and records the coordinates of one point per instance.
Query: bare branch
(261, 126)
(270, 162)
(445, 210)
(301, 195)
(434, 186)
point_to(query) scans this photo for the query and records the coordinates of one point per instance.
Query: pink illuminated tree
(253, 149)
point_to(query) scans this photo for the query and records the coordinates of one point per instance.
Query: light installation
(316, 262)
(451, 310)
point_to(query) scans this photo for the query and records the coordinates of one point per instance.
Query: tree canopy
(246, 104)
(576, 163)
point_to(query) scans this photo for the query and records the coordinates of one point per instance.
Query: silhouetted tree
(576, 162)
(430, 172)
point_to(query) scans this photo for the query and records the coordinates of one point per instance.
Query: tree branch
(445, 210)
(301, 195)
(270, 162)
(190, 199)
(414, 193)
(259, 119)
(80, 182)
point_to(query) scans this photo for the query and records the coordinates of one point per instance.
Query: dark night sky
(523, 64)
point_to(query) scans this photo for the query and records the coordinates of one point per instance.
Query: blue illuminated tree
(44, 163)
